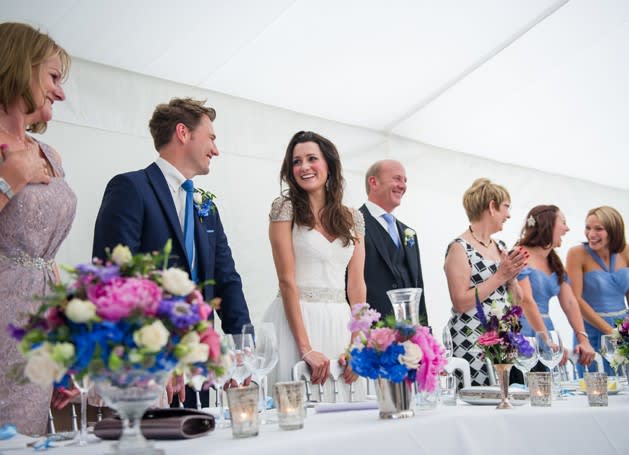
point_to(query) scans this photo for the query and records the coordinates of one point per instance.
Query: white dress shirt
(174, 179)
(377, 212)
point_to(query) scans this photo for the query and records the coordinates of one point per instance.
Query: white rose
(412, 355)
(121, 255)
(198, 199)
(80, 310)
(153, 337)
(176, 282)
(195, 350)
(408, 233)
(41, 368)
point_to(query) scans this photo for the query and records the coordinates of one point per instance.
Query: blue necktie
(188, 228)
(392, 228)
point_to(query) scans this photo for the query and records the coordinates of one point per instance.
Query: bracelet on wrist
(583, 332)
(6, 189)
(304, 355)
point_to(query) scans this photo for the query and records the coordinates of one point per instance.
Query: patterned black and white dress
(464, 326)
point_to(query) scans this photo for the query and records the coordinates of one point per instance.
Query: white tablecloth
(568, 426)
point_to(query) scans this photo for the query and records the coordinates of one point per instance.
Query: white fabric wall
(101, 129)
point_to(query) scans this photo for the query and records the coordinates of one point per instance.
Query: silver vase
(394, 399)
(502, 373)
(405, 304)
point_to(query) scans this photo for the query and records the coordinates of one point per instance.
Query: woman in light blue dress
(599, 274)
(545, 277)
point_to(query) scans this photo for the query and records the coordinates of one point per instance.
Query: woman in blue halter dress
(599, 274)
(545, 277)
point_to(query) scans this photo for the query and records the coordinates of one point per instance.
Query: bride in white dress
(315, 240)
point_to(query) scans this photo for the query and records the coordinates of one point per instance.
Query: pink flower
(53, 317)
(362, 318)
(211, 338)
(381, 338)
(490, 338)
(433, 359)
(118, 298)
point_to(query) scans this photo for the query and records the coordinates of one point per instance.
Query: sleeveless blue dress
(604, 290)
(544, 288)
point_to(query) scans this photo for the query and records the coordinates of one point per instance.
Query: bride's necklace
(486, 245)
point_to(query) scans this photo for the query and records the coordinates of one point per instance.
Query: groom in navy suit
(145, 208)
(391, 250)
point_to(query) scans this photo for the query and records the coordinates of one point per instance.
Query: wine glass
(264, 358)
(524, 362)
(83, 384)
(446, 337)
(238, 347)
(550, 350)
(218, 382)
(608, 350)
(196, 381)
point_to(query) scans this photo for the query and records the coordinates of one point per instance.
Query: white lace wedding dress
(320, 274)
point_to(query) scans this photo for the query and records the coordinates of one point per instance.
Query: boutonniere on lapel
(409, 237)
(203, 202)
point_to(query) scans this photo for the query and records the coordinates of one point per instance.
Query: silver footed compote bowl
(130, 393)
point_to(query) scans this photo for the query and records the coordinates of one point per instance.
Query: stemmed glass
(83, 384)
(264, 358)
(218, 384)
(608, 350)
(550, 350)
(524, 363)
(238, 348)
(196, 382)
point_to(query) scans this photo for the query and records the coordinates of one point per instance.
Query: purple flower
(480, 312)
(16, 333)
(181, 313)
(103, 273)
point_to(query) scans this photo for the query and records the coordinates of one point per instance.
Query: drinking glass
(83, 384)
(524, 363)
(196, 382)
(608, 350)
(238, 348)
(550, 350)
(448, 393)
(264, 358)
(218, 384)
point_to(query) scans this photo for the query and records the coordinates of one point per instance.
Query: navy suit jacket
(138, 211)
(379, 272)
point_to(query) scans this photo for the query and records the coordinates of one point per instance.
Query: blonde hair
(22, 50)
(612, 221)
(477, 197)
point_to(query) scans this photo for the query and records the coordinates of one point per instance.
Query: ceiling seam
(454, 81)
(245, 45)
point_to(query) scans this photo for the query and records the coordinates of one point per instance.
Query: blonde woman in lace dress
(314, 239)
(36, 204)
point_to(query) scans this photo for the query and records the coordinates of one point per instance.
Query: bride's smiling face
(310, 169)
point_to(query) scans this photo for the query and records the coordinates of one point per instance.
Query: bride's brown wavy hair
(539, 232)
(336, 219)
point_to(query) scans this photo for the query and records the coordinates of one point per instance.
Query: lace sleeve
(359, 222)
(281, 210)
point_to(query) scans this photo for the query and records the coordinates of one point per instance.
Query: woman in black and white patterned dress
(475, 260)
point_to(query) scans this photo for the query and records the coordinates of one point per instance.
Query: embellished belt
(27, 261)
(612, 314)
(325, 295)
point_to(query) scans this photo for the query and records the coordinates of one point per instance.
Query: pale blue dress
(544, 287)
(604, 290)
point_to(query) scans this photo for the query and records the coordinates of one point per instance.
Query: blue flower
(181, 313)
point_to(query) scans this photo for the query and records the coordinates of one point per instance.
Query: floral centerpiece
(621, 336)
(128, 313)
(392, 350)
(501, 341)
(500, 338)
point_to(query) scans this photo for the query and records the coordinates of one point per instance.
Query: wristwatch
(5, 189)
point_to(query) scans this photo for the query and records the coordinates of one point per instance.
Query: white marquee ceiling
(536, 83)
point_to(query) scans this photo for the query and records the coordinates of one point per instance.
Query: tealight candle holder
(243, 409)
(540, 388)
(289, 398)
(596, 387)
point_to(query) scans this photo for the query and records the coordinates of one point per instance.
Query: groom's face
(201, 147)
